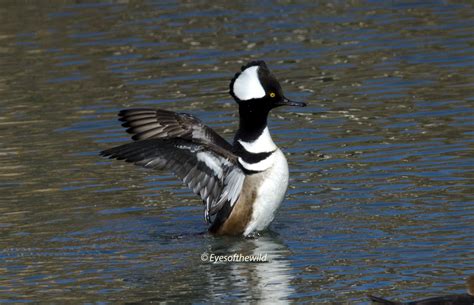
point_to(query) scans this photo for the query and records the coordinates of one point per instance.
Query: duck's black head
(255, 87)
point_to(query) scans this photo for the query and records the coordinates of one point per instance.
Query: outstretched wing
(147, 123)
(210, 171)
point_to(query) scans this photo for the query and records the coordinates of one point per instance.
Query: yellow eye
(272, 94)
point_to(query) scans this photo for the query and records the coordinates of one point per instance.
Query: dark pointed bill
(287, 102)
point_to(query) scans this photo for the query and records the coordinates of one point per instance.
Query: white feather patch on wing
(247, 86)
(233, 187)
(212, 162)
(263, 143)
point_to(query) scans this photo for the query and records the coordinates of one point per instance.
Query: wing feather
(144, 123)
(210, 171)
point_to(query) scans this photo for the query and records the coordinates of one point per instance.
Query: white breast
(273, 183)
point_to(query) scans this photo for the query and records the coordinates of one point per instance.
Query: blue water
(381, 197)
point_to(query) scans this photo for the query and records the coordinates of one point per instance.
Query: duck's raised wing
(209, 170)
(145, 123)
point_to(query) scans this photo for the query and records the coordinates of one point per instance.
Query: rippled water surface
(381, 184)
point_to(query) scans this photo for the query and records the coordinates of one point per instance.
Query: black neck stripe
(249, 157)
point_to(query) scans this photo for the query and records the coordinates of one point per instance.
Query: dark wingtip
(380, 300)
(118, 153)
(104, 154)
(124, 113)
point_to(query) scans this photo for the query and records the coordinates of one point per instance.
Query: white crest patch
(263, 143)
(247, 86)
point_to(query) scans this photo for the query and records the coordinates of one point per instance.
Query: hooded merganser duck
(242, 184)
(454, 299)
